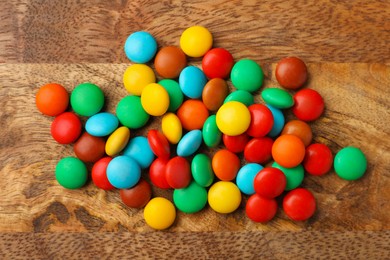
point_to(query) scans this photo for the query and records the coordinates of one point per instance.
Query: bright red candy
(178, 172)
(299, 204)
(318, 159)
(308, 105)
(235, 144)
(138, 196)
(259, 150)
(157, 173)
(99, 174)
(260, 209)
(269, 182)
(217, 63)
(66, 128)
(262, 120)
(159, 144)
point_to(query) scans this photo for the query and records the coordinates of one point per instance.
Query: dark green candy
(211, 133)
(277, 97)
(201, 170)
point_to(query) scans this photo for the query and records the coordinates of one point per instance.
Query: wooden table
(346, 46)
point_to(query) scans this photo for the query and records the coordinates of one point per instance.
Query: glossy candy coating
(291, 72)
(174, 93)
(210, 132)
(217, 63)
(214, 93)
(189, 143)
(157, 173)
(294, 176)
(201, 169)
(192, 81)
(270, 182)
(137, 77)
(71, 173)
(262, 120)
(101, 124)
(258, 150)
(87, 99)
(260, 209)
(131, 113)
(52, 99)
(99, 174)
(299, 204)
(123, 172)
(195, 41)
(159, 144)
(288, 151)
(192, 114)
(225, 165)
(277, 97)
(139, 149)
(117, 141)
(190, 199)
(318, 159)
(171, 127)
(140, 47)
(224, 197)
(242, 96)
(170, 61)
(309, 105)
(278, 121)
(66, 128)
(247, 75)
(246, 176)
(159, 213)
(350, 163)
(300, 129)
(233, 118)
(155, 99)
(178, 172)
(137, 196)
(235, 144)
(89, 148)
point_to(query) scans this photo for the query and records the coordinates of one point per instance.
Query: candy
(170, 61)
(258, 150)
(299, 204)
(157, 173)
(192, 114)
(233, 118)
(131, 113)
(195, 41)
(246, 176)
(291, 72)
(71, 173)
(260, 209)
(137, 77)
(89, 148)
(288, 151)
(192, 81)
(87, 99)
(294, 176)
(189, 143)
(155, 99)
(210, 132)
(277, 97)
(140, 47)
(201, 170)
(178, 172)
(217, 63)
(137, 196)
(66, 128)
(242, 96)
(52, 99)
(318, 159)
(247, 75)
(99, 174)
(269, 182)
(190, 199)
(224, 197)
(350, 163)
(159, 213)
(300, 129)
(171, 128)
(235, 144)
(309, 105)
(174, 93)
(123, 172)
(278, 121)
(262, 120)
(225, 165)
(214, 93)
(117, 141)
(101, 124)
(159, 144)
(138, 148)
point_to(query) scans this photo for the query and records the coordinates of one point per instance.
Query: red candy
(258, 150)
(217, 63)
(291, 72)
(299, 204)
(318, 159)
(270, 182)
(157, 173)
(138, 196)
(235, 144)
(260, 209)
(308, 105)
(66, 128)
(99, 174)
(178, 172)
(262, 120)
(159, 144)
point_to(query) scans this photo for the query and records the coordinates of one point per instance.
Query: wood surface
(346, 47)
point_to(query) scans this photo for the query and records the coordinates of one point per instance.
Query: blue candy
(123, 172)
(101, 124)
(192, 81)
(278, 121)
(140, 47)
(189, 143)
(246, 176)
(139, 149)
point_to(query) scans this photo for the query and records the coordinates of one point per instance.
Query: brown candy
(300, 129)
(214, 93)
(138, 196)
(291, 73)
(170, 61)
(89, 148)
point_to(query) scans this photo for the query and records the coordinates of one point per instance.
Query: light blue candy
(192, 81)
(123, 172)
(101, 124)
(140, 47)
(246, 176)
(278, 121)
(189, 143)
(139, 149)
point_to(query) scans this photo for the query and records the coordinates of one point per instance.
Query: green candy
(277, 97)
(71, 173)
(201, 169)
(210, 132)
(174, 93)
(87, 99)
(247, 75)
(190, 199)
(294, 176)
(131, 113)
(350, 163)
(242, 96)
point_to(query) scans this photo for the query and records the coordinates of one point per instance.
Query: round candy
(242, 96)
(87, 99)
(155, 99)
(192, 114)
(157, 173)
(259, 150)
(101, 124)
(117, 141)
(299, 204)
(277, 97)
(171, 127)
(174, 93)
(260, 209)
(235, 144)
(201, 170)
(52, 99)
(309, 105)
(138, 148)
(217, 63)
(247, 75)
(178, 172)
(246, 176)
(140, 47)
(137, 77)
(350, 163)
(123, 172)
(71, 173)
(195, 41)
(131, 113)
(189, 143)
(170, 61)
(159, 213)
(190, 199)
(214, 93)
(66, 128)
(137, 196)
(211, 134)
(159, 144)
(262, 120)
(294, 176)
(192, 81)
(89, 148)
(99, 174)
(270, 182)
(318, 159)
(300, 129)
(233, 118)
(224, 197)
(291, 72)
(278, 121)
(225, 165)
(288, 151)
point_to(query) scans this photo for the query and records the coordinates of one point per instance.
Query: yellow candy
(117, 140)
(155, 99)
(224, 197)
(159, 213)
(136, 77)
(171, 128)
(233, 118)
(195, 41)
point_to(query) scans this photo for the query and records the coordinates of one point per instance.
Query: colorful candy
(278, 121)
(214, 93)
(224, 197)
(288, 151)
(201, 169)
(137, 196)
(159, 213)
(350, 163)
(170, 61)
(192, 114)
(242, 96)
(235, 144)
(140, 47)
(89, 148)
(247, 75)
(99, 174)
(294, 176)
(277, 97)
(171, 127)
(189, 143)
(233, 118)
(131, 113)
(190, 199)
(117, 141)
(87, 99)
(66, 128)
(217, 63)
(137, 77)
(71, 173)
(155, 99)
(262, 120)
(159, 144)
(259, 150)
(318, 159)
(300, 129)
(308, 105)
(139, 149)
(157, 173)
(174, 93)
(52, 99)
(210, 132)
(246, 177)
(101, 124)
(260, 209)
(270, 182)
(225, 165)
(178, 172)
(192, 81)
(123, 172)
(299, 204)
(291, 73)
(195, 41)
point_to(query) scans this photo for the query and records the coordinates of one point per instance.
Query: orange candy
(192, 114)
(300, 129)
(288, 151)
(225, 165)
(52, 99)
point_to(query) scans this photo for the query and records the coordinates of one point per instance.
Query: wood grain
(94, 31)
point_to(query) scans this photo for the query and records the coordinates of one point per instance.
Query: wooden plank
(95, 31)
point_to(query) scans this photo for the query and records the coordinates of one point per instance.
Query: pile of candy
(197, 112)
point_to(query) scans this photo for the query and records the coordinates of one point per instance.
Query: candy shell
(101, 124)
(189, 143)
